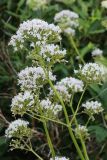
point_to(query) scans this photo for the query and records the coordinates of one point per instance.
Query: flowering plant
(38, 39)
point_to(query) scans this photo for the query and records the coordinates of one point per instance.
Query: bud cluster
(81, 131)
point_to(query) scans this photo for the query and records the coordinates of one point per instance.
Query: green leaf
(9, 26)
(12, 14)
(86, 49)
(100, 132)
(20, 3)
(103, 95)
(95, 27)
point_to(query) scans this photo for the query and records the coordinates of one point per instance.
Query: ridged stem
(78, 104)
(72, 42)
(29, 148)
(49, 139)
(81, 139)
(67, 121)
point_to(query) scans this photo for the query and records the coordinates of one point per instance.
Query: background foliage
(91, 34)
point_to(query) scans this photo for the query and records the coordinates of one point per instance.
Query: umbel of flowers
(33, 78)
(36, 4)
(39, 38)
(18, 128)
(97, 52)
(92, 107)
(81, 131)
(22, 102)
(35, 32)
(68, 21)
(91, 73)
(66, 87)
(49, 109)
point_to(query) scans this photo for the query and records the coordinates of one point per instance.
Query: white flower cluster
(66, 87)
(51, 52)
(39, 36)
(67, 20)
(92, 107)
(36, 31)
(69, 31)
(36, 4)
(65, 14)
(81, 131)
(97, 52)
(32, 78)
(49, 108)
(22, 102)
(91, 73)
(74, 85)
(59, 158)
(14, 127)
(62, 90)
(104, 4)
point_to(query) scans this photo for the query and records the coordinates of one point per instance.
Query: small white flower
(32, 78)
(97, 52)
(92, 107)
(59, 158)
(14, 127)
(104, 4)
(22, 102)
(81, 131)
(91, 73)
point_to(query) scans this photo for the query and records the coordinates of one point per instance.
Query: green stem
(88, 121)
(46, 131)
(29, 148)
(47, 135)
(33, 116)
(49, 139)
(71, 104)
(67, 121)
(52, 120)
(78, 104)
(76, 49)
(84, 148)
(81, 139)
(36, 154)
